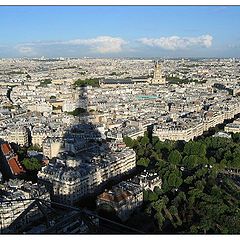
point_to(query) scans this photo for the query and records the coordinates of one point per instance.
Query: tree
(145, 195)
(143, 162)
(154, 156)
(202, 203)
(78, 111)
(219, 154)
(140, 152)
(211, 160)
(22, 152)
(236, 159)
(45, 82)
(32, 164)
(128, 141)
(160, 219)
(155, 139)
(228, 155)
(158, 191)
(35, 147)
(236, 137)
(190, 161)
(91, 82)
(135, 143)
(174, 180)
(175, 157)
(174, 211)
(189, 180)
(195, 148)
(164, 148)
(179, 199)
(200, 173)
(152, 196)
(144, 141)
(200, 184)
(223, 164)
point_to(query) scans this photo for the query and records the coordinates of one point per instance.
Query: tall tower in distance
(157, 75)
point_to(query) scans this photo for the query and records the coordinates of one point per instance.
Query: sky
(119, 31)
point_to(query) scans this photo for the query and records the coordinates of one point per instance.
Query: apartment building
(121, 200)
(52, 146)
(17, 135)
(233, 127)
(39, 135)
(10, 210)
(71, 179)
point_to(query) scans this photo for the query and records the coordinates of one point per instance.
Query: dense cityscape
(119, 145)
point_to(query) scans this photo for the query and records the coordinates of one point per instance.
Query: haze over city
(117, 31)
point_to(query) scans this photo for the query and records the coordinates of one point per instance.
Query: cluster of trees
(15, 72)
(35, 147)
(115, 74)
(21, 152)
(236, 137)
(45, 82)
(176, 80)
(195, 197)
(78, 112)
(94, 82)
(32, 164)
(8, 107)
(223, 152)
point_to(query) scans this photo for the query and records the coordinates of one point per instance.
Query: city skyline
(119, 31)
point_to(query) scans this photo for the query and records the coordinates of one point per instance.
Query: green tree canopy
(144, 140)
(236, 137)
(174, 180)
(152, 196)
(143, 162)
(35, 147)
(195, 148)
(155, 139)
(78, 112)
(94, 82)
(175, 157)
(128, 141)
(190, 161)
(32, 164)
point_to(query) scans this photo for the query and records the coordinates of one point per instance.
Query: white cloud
(25, 49)
(109, 44)
(175, 42)
(101, 44)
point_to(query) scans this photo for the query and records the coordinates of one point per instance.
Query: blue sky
(120, 31)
